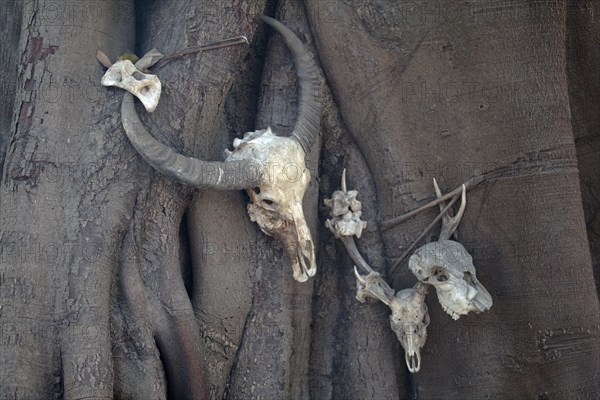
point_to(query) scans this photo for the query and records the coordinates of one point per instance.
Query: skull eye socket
(440, 274)
(268, 202)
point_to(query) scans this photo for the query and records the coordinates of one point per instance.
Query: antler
(469, 184)
(449, 224)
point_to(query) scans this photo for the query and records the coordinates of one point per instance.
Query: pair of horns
(231, 175)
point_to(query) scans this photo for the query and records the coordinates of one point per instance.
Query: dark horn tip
(307, 126)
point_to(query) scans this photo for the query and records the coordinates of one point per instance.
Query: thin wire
(195, 49)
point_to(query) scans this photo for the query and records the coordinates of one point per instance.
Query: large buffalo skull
(269, 167)
(276, 204)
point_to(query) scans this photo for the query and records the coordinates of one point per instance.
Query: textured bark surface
(116, 282)
(425, 94)
(10, 19)
(66, 195)
(583, 58)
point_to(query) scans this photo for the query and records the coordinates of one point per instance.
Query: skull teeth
(453, 314)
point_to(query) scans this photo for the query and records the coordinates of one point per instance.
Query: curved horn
(228, 175)
(309, 110)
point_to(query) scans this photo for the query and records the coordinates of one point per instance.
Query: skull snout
(289, 227)
(412, 356)
(305, 264)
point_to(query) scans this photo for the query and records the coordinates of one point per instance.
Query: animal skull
(276, 203)
(409, 318)
(447, 266)
(270, 168)
(125, 75)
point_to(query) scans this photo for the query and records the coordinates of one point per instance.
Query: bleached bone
(448, 267)
(372, 285)
(450, 224)
(125, 75)
(276, 203)
(346, 211)
(409, 318)
(270, 168)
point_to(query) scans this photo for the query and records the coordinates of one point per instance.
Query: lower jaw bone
(413, 362)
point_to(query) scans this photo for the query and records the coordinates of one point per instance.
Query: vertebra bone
(125, 75)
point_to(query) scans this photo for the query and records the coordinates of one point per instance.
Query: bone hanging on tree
(409, 318)
(259, 163)
(130, 73)
(448, 267)
(444, 264)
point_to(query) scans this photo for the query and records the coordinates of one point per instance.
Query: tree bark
(11, 15)
(66, 195)
(492, 101)
(116, 282)
(583, 56)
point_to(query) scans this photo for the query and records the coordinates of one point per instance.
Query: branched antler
(449, 225)
(448, 266)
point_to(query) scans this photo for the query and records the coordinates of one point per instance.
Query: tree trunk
(583, 55)
(116, 282)
(440, 90)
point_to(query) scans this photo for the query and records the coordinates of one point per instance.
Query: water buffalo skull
(270, 168)
(276, 203)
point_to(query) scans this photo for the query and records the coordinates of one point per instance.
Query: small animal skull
(276, 203)
(409, 320)
(448, 267)
(125, 75)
